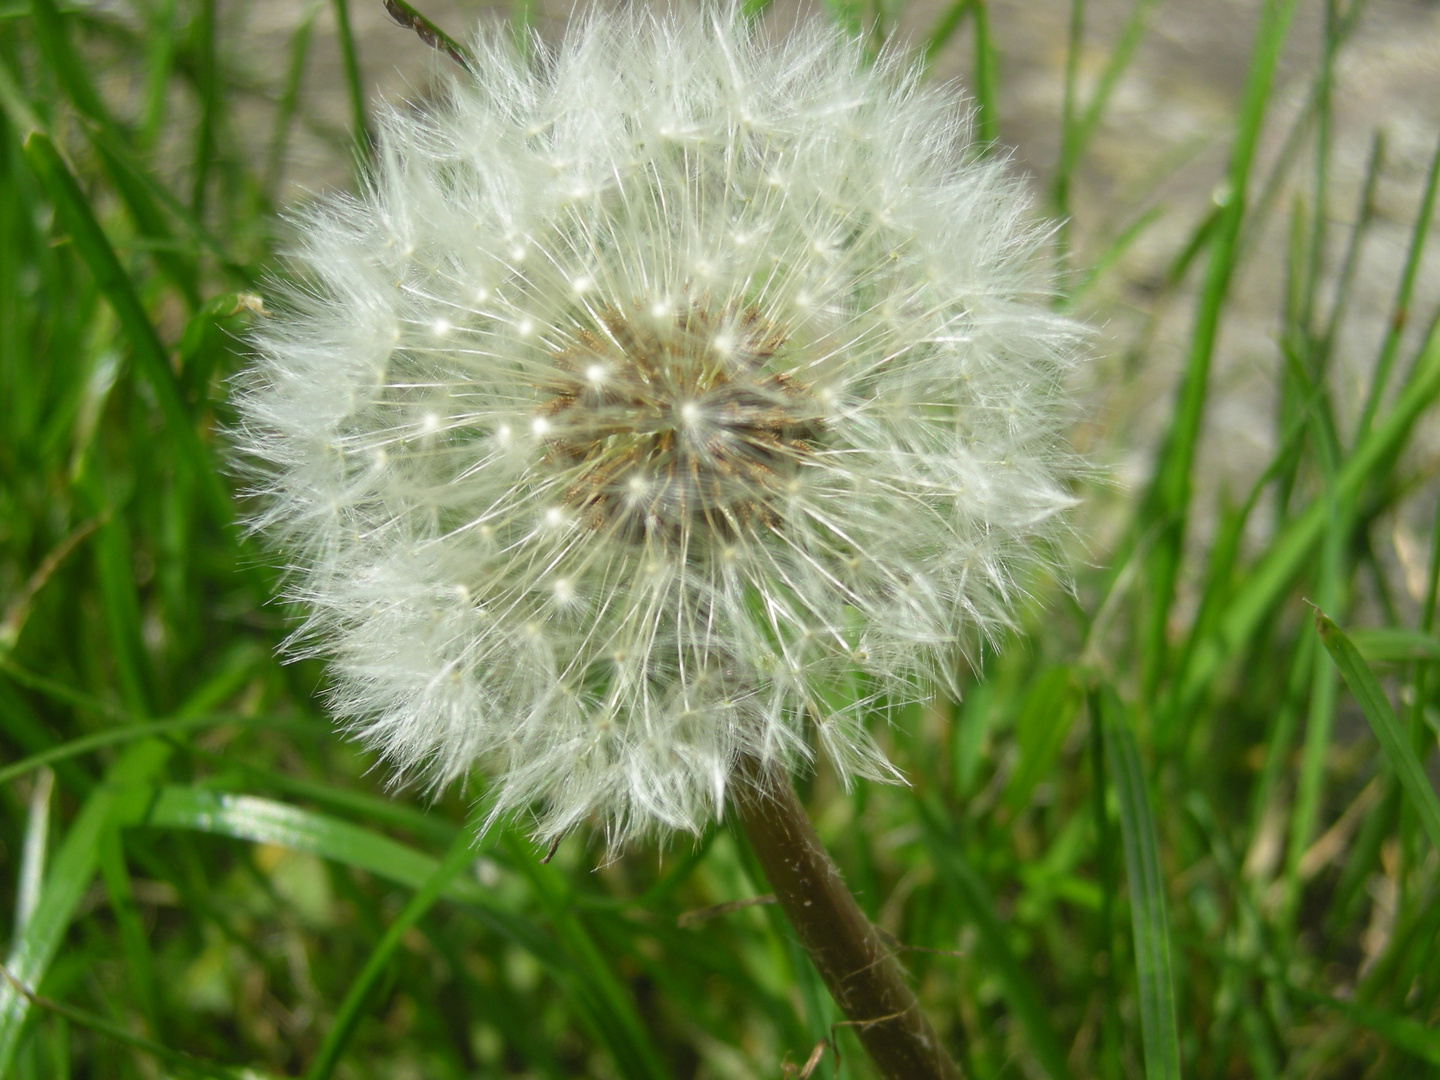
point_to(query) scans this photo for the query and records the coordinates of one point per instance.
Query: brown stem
(861, 974)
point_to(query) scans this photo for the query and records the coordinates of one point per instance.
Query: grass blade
(591, 974)
(183, 1064)
(207, 90)
(266, 821)
(1387, 727)
(987, 81)
(427, 31)
(1288, 554)
(1148, 915)
(289, 100)
(70, 875)
(1404, 1032)
(32, 856)
(1076, 125)
(354, 87)
(135, 947)
(99, 256)
(462, 854)
(580, 966)
(1040, 731)
(945, 28)
(1400, 314)
(1018, 988)
(1395, 644)
(133, 184)
(1167, 502)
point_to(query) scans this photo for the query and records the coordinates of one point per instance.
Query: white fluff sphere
(669, 396)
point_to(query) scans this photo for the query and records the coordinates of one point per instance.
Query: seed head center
(664, 425)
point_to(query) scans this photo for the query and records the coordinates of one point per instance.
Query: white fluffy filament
(669, 396)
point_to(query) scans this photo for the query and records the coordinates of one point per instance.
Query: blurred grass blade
(1383, 721)
(354, 87)
(1077, 125)
(70, 71)
(1166, 505)
(945, 28)
(461, 855)
(183, 1064)
(114, 561)
(1395, 645)
(1405, 1032)
(19, 604)
(21, 724)
(206, 81)
(1400, 313)
(1018, 988)
(129, 922)
(987, 82)
(133, 184)
(32, 855)
(1149, 918)
(593, 976)
(1115, 66)
(374, 808)
(266, 821)
(70, 875)
(1040, 730)
(289, 100)
(210, 333)
(146, 198)
(160, 58)
(1255, 596)
(1101, 264)
(95, 250)
(582, 967)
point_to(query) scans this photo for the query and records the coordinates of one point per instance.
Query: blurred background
(1160, 835)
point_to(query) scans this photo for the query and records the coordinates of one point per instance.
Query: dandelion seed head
(653, 388)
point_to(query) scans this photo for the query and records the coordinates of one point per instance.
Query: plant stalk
(861, 974)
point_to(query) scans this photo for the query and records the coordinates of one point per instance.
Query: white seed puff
(667, 396)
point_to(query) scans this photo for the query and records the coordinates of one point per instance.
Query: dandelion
(669, 399)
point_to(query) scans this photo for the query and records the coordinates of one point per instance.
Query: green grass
(1174, 830)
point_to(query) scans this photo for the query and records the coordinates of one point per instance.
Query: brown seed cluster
(669, 424)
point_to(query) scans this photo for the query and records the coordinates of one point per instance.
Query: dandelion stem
(861, 974)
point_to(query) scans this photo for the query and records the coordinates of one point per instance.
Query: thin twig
(19, 609)
(429, 33)
(695, 918)
(811, 1064)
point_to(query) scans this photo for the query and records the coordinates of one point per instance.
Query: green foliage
(1158, 837)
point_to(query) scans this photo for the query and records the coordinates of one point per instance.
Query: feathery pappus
(673, 394)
